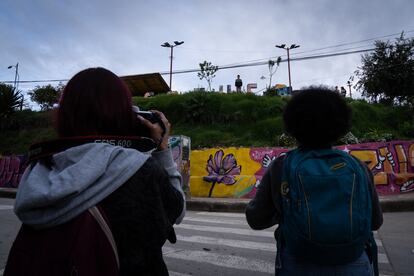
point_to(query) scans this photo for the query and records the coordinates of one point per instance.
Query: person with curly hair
(323, 199)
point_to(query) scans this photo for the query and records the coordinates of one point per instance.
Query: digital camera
(141, 129)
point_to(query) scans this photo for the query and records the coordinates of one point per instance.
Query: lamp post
(171, 46)
(283, 46)
(16, 74)
(16, 77)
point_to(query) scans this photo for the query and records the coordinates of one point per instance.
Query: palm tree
(10, 100)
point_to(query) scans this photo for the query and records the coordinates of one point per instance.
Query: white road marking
(382, 258)
(378, 242)
(220, 220)
(222, 214)
(1, 272)
(228, 261)
(246, 232)
(271, 246)
(6, 207)
(173, 273)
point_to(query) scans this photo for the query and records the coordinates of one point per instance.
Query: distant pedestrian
(238, 83)
(323, 199)
(343, 91)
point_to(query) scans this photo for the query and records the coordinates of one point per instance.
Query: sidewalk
(391, 203)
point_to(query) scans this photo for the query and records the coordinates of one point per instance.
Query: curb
(8, 192)
(394, 203)
(217, 205)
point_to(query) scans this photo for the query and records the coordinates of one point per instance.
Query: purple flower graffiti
(221, 170)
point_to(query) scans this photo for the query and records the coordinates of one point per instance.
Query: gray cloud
(55, 39)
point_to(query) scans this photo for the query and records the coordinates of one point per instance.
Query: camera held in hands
(153, 117)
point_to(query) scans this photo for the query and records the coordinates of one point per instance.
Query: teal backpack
(326, 206)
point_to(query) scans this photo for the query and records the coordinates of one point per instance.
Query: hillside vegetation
(213, 119)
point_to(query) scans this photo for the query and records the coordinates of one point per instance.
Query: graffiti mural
(221, 170)
(392, 164)
(181, 147)
(217, 172)
(11, 170)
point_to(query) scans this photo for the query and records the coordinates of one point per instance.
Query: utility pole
(171, 46)
(293, 46)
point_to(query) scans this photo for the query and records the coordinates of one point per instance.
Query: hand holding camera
(156, 126)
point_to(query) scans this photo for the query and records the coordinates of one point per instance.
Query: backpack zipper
(307, 208)
(352, 200)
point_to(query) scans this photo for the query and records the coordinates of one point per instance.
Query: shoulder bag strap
(94, 211)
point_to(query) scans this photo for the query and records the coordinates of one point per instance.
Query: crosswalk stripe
(378, 242)
(246, 232)
(382, 258)
(271, 246)
(228, 261)
(222, 214)
(6, 207)
(221, 220)
(173, 273)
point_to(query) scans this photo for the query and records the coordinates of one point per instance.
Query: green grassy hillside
(213, 119)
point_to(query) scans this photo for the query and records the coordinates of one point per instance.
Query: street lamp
(283, 46)
(171, 46)
(16, 74)
(16, 78)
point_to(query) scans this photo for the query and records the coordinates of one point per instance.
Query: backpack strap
(94, 211)
(280, 161)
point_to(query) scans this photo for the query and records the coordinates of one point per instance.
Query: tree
(387, 74)
(207, 71)
(10, 100)
(46, 96)
(271, 64)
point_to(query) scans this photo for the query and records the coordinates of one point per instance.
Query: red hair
(95, 102)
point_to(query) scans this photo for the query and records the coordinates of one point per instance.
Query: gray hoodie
(80, 178)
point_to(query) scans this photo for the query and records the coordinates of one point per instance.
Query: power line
(355, 42)
(230, 66)
(266, 62)
(224, 66)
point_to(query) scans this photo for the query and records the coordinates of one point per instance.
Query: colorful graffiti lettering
(390, 162)
(11, 170)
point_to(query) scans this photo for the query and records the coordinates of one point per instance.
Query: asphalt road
(223, 244)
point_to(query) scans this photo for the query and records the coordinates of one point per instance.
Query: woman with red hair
(139, 193)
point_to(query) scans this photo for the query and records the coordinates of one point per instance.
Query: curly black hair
(317, 117)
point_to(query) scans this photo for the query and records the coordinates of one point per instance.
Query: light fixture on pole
(16, 83)
(171, 46)
(16, 74)
(283, 46)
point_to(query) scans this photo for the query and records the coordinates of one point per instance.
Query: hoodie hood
(79, 178)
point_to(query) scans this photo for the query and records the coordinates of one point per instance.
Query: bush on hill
(222, 120)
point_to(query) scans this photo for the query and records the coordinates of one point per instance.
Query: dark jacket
(140, 195)
(141, 214)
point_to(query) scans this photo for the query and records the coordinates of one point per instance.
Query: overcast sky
(55, 39)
